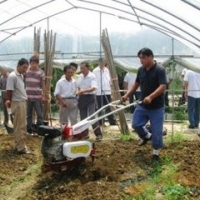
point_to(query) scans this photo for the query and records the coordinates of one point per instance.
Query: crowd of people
(24, 92)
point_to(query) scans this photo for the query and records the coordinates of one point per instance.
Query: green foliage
(162, 181)
(178, 137)
(126, 137)
(176, 86)
(174, 192)
(179, 113)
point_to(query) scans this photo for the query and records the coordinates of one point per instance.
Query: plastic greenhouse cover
(127, 64)
(178, 18)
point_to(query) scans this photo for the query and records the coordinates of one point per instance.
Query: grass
(25, 177)
(127, 137)
(177, 137)
(162, 182)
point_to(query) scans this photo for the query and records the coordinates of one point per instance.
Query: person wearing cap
(151, 77)
(65, 92)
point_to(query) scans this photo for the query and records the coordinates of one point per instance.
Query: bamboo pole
(36, 50)
(36, 45)
(113, 74)
(49, 52)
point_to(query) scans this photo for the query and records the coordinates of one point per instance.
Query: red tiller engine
(60, 148)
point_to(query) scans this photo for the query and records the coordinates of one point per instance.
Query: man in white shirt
(103, 90)
(87, 84)
(192, 94)
(65, 93)
(129, 80)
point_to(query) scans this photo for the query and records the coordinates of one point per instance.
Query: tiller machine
(67, 147)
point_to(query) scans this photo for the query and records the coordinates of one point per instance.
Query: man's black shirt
(149, 81)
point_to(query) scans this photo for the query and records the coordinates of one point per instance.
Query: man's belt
(69, 98)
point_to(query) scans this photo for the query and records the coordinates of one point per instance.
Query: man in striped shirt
(35, 86)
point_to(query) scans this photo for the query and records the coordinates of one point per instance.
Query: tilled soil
(118, 164)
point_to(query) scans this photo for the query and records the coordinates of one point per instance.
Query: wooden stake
(113, 74)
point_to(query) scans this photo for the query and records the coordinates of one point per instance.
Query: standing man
(151, 78)
(35, 87)
(3, 82)
(87, 84)
(192, 95)
(16, 99)
(74, 67)
(65, 93)
(103, 90)
(129, 80)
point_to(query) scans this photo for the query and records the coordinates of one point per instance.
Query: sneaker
(191, 127)
(143, 141)
(155, 158)
(29, 131)
(113, 124)
(24, 151)
(99, 137)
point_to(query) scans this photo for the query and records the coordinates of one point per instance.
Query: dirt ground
(119, 169)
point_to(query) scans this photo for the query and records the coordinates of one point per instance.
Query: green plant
(126, 137)
(179, 115)
(174, 192)
(177, 137)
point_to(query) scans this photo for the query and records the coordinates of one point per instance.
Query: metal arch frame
(2, 1)
(26, 11)
(168, 33)
(70, 3)
(159, 8)
(121, 17)
(134, 11)
(155, 16)
(191, 4)
(143, 23)
(167, 22)
(24, 27)
(165, 30)
(123, 11)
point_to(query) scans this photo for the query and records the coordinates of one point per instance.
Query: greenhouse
(62, 138)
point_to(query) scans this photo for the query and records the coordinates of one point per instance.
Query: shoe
(24, 151)
(164, 132)
(191, 127)
(143, 141)
(155, 158)
(113, 124)
(99, 137)
(29, 131)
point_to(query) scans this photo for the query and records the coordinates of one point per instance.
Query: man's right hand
(64, 104)
(124, 98)
(8, 103)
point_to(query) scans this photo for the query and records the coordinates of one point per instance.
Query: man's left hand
(147, 100)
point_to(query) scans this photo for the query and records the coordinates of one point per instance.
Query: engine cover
(77, 149)
(52, 149)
